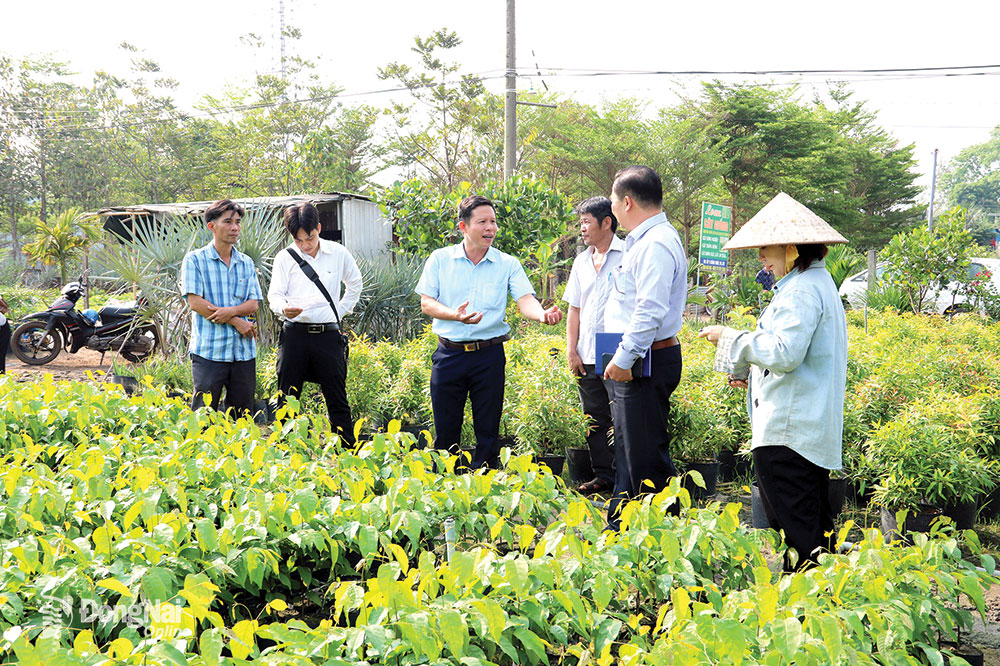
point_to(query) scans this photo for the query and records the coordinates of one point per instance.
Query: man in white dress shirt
(647, 299)
(587, 294)
(311, 346)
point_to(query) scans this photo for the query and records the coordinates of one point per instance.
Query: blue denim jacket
(798, 367)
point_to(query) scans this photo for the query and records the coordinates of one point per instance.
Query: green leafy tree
(430, 138)
(688, 164)
(61, 239)
(258, 150)
(343, 155)
(922, 261)
(588, 152)
(757, 132)
(972, 180)
(528, 211)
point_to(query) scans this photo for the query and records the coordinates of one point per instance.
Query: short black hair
(600, 208)
(302, 216)
(471, 203)
(641, 183)
(809, 253)
(220, 208)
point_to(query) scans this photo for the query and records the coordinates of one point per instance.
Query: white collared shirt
(587, 289)
(291, 288)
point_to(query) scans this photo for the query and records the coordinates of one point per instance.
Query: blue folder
(605, 346)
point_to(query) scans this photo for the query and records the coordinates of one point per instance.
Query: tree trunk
(14, 241)
(43, 181)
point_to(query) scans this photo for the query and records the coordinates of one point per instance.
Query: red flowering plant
(984, 295)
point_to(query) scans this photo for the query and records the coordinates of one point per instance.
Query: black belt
(474, 345)
(312, 328)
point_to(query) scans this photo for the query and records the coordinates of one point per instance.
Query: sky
(198, 43)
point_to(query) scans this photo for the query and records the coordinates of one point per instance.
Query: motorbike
(122, 328)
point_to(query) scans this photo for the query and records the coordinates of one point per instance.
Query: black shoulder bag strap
(310, 273)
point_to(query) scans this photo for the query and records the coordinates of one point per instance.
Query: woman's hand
(711, 333)
(737, 383)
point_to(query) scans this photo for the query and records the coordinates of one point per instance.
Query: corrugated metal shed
(351, 219)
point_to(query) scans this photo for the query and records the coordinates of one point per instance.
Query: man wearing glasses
(645, 304)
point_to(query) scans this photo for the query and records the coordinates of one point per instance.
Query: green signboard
(715, 225)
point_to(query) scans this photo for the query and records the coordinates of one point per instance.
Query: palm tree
(61, 239)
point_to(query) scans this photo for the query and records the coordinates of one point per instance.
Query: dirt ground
(65, 366)
(985, 636)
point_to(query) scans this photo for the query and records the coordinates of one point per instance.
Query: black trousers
(796, 496)
(239, 378)
(4, 346)
(320, 358)
(597, 406)
(639, 410)
(479, 376)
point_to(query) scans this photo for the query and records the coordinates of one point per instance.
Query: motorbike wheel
(32, 345)
(148, 332)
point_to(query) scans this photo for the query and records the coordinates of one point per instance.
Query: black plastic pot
(969, 653)
(554, 463)
(421, 432)
(758, 517)
(856, 497)
(838, 491)
(263, 413)
(130, 384)
(709, 471)
(733, 466)
(580, 469)
(989, 504)
(963, 513)
(915, 522)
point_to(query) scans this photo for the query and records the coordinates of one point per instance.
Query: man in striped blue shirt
(221, 288)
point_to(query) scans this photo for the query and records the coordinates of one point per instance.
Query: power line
(63, 121)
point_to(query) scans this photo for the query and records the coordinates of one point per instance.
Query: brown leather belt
(663, 344)
(473, 345)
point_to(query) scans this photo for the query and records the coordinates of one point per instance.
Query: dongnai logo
(60, 611)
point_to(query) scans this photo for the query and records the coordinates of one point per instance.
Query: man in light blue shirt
(587, 294)
(221, 288)
(647, 299)
(465, 289)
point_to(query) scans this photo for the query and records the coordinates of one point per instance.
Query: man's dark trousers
(239, 378)
(320, 358)
(596, 405)
(478, 376)
(796, 497)
(640, 409)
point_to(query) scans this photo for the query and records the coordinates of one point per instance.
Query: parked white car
(948, 300)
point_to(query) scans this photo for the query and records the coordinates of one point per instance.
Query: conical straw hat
(784, 221)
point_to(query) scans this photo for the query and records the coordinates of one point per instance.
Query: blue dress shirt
(798, 367)
(205, 274)
(649, 290)
(450, 278)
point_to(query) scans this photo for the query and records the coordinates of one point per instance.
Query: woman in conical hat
(797, 366)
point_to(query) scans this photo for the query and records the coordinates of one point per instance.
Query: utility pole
(510, 99)
(930, 209)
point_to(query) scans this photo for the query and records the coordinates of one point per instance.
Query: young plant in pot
(547, 418)
(366, 382)
(928, 467)
(407, 398)
(698, 432)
